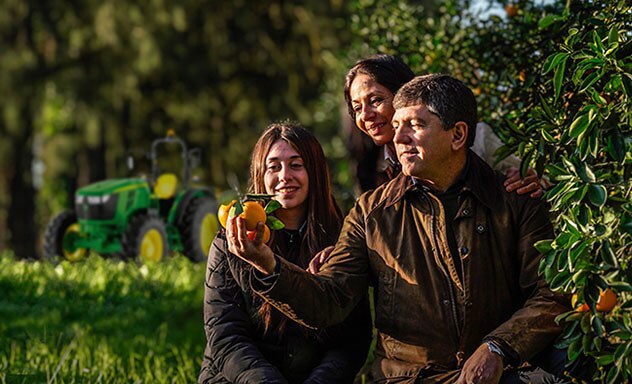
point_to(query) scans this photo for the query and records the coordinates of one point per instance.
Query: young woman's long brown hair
(324, 218)
(323, 215)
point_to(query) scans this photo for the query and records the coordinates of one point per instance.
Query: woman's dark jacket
(238, 350)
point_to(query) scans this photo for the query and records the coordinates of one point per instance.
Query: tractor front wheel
(145, 239)
(60, 235)
(199, 227)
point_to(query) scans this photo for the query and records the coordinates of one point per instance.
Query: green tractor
(137, 218)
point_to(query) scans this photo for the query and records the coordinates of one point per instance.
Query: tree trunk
(96, 158)
(21, 213)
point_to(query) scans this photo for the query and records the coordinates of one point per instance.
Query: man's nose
(400, 135)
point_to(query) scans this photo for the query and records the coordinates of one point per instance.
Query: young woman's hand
(255, 252)
(530, 183)
(319, 259)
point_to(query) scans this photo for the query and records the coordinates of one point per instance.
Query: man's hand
(255, 252)
(530, 183)
(318, 260)
(483, 367)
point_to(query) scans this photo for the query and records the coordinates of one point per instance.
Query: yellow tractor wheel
(199, 227)
(60, 238)
(145, 239)
(70, 252)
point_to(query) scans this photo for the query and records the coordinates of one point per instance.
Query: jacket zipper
(453, 311)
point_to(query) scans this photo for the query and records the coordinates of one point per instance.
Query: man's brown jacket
(429, 321)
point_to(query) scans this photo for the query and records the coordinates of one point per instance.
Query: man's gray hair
(448, 98)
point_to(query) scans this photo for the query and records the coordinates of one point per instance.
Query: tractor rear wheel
(198, 228)
(145, 238)
(59, 237)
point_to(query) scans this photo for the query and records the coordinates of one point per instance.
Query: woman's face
(286, 177)
(373, 106)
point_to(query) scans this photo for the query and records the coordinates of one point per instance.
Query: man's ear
(459, 136)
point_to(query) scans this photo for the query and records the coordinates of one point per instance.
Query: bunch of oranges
(252, 212)
(607, 301)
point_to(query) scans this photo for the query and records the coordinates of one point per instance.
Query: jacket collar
(476, 180)
(481, 182)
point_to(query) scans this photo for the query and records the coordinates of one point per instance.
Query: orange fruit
(222, 212)
(607, 300)
(266, 234)
(581, 308)
(511, 10)
(253, 213)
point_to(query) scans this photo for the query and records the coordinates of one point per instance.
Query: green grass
(100, 321)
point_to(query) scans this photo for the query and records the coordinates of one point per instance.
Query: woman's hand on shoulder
(530, 184)
(319, 259)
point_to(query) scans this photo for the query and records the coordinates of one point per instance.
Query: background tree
(87, 83)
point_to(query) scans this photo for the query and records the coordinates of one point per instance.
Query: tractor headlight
(79, 199)
(101, 207)
(93, 200)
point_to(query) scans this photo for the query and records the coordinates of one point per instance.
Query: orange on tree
(266, 234)
(222, 212)
(253, 213)
(581, 308)
(607, 301)
(511, 10)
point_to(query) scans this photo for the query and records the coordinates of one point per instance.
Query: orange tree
(576, 128)
(555, 82)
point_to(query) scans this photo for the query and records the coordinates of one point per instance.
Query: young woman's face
(286, 176)
(372, 104)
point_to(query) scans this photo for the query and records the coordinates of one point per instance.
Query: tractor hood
(112, 186)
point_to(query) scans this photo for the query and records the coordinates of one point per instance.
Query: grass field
(100, 321)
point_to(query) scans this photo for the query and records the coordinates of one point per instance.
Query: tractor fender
(176, 216)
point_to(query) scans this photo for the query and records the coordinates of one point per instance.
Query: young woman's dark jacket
(238, 350)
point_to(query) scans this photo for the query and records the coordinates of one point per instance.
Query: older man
(447, 249)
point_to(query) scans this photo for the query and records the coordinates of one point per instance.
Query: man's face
(423, 147)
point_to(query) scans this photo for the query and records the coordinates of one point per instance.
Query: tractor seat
(166, 186)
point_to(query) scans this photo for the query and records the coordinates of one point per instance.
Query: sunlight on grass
(100, 321)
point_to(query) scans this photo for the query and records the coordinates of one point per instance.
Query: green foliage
(424, 36)
(555, 82)
(100, 321)
(580, 128)
(85, 85)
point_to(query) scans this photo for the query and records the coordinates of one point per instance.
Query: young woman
(369, 89)
(248, 341)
